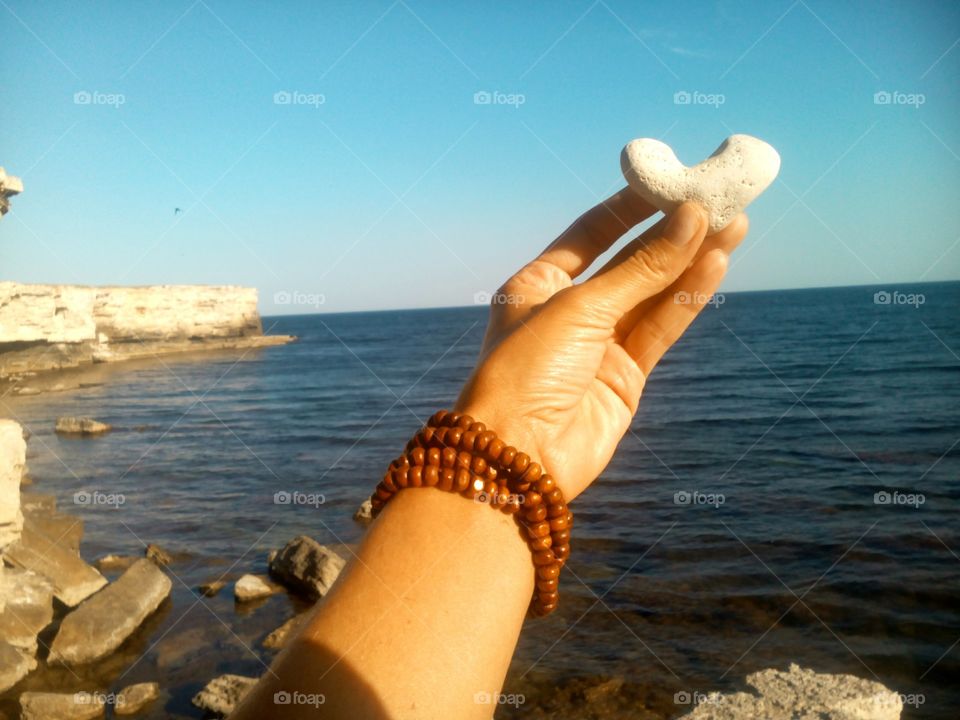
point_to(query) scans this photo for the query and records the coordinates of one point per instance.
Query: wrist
(509, 428)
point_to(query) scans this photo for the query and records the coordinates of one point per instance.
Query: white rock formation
(251, 587)
(9, 186)
(800, 694)
(723, 184)
(13, 453)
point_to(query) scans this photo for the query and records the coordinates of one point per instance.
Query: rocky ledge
(46, 328)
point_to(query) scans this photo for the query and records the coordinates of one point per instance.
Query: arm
(428, 613)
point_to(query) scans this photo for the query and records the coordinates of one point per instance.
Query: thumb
(647, 265)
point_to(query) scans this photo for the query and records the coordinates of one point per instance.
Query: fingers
(646, 266)
(595, 231)
(726, 239)
(673, 312)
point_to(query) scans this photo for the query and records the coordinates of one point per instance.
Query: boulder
(134, 698)
(81, 426)
(114, 562)
(364, 513)
(13, 458)
(102, 623)
(800, 694)
(279, 637)
(307, 567)
(221, 695)
(28, 609)
(67, 529)
(73, 580)
(158, 555)
(251, 587)
(14, 665)
(61, 706)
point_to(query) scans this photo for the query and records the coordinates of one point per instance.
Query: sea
(787, 493)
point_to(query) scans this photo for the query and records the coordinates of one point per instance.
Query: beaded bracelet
(455, 453)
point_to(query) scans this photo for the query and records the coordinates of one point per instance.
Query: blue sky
(383, 184)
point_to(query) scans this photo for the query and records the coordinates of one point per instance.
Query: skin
(424, 620)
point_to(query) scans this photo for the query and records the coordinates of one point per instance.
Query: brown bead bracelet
(455, 453)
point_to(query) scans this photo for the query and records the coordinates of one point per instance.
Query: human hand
(563, 366)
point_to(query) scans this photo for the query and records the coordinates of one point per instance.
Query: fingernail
(684, 224)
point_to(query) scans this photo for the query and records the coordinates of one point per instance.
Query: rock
(28, 608)
(102, 623)
(134, 698)
(222, 694)
(73, 580)
(14, 665)
(34, 503)
(600, 692)
(13, 458)
(723, 184)
(10, 185)
(799, 694)
(279, 637)
(364, 513)
(66, 529)
(114, 562)
(251, 587)
(81, 426)
(61, 706)
(158, 555)
(210, 589)
(307, 567)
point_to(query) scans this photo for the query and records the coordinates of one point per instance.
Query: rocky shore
(48, 329)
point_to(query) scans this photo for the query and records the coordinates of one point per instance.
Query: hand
(563, 366)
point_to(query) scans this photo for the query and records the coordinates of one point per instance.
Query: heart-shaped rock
(723, 184)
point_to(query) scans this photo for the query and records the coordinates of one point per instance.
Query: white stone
(221, 695)
(251, 587)
(723, 184)
(13, 454)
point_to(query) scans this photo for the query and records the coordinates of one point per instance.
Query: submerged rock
(102, 623)
(306, 566)
(211, 588)
(81, 426)
(114, 562)
(134, 698)
(799, 694)
(158, 555)
(221, 695)
(251, 587)
(279, 637)
(61, 706)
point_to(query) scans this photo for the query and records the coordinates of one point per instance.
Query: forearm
(422, 620)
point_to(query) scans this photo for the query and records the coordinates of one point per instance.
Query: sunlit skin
(424, 620)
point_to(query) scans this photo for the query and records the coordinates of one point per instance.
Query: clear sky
(381, 183)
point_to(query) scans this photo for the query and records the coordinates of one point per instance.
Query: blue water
(796, 407)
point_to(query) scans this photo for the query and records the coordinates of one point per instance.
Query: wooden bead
(431, 476)
(532, 499)
(491, 488)
(433, 456)
(478, 465)
(519, 464)
(520, 487)
(558, 523)
(540, 543)
(448, 457)
(477, 427)
(494, 449)
(415, 476)
(437, 418)
(554, 511)
(400, 478)
(562, 552)
(446, 479)
(388, 482)
(548, 585)
(538, 530)
(464, 421)
(417, 456)
(425, 437)
(483, 440)
(491, 473)
(537, 513)
(464, 460)
(511, 508)
(561, 537)
(507, 455)
(544, 557)
(549, 598)
(453, 436)
(382, 493)
(462, 480)
(548, 572)
(554, 496)
(450, 419)
(546, 484)
(532, 474)
(467, 440)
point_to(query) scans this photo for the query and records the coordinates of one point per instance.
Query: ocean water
(789, 492)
